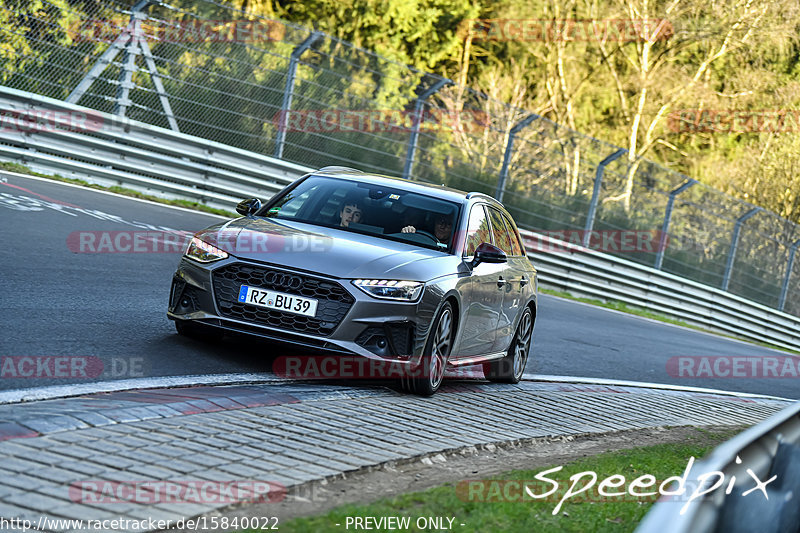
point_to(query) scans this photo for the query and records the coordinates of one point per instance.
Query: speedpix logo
(589, 486)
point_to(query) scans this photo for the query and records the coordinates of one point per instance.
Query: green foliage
(32, 32)
(420, 33)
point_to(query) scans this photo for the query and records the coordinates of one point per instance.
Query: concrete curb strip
(290, 434)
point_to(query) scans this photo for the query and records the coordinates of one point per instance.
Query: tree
(422, 33)
(665, 71)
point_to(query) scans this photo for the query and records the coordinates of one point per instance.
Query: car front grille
(334, 300)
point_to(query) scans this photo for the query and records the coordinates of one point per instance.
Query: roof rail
(334, 167)
(475, 194)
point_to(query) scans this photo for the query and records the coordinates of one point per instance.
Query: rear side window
(477, 230)
(513, 234)
(501, 237)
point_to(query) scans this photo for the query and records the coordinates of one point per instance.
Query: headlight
(407, 291)
(203, 252)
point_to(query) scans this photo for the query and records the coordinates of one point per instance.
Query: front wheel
(430, 374)
(510, 368)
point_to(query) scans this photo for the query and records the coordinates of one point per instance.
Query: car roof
(440, 191)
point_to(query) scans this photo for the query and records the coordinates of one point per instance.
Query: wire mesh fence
(212, 71)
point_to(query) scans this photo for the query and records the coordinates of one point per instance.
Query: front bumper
(347, 320)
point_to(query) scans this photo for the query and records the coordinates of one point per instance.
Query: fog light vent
(389, 339)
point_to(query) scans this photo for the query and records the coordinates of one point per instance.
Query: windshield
(385, 212)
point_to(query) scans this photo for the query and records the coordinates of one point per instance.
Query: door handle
(523, 281)
(500, 282)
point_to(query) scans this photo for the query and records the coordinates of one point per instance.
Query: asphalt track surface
(111, 307)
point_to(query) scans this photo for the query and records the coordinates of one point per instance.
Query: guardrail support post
(122, 41)
(288, 89)
(156, 79)
(512, 134)
(662, 241)
(417, 120)
(131, 41)
(125, 82)
(734, 244)
(598, 180)
(789, 265)
(100, 65)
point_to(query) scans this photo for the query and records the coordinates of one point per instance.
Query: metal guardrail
(587, 273)
(111, 150)
(771, 448)
(174, 165)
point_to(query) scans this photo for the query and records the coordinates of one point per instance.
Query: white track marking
(572, 380)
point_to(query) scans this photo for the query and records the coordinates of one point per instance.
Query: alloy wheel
(523, 344)
(440, 350)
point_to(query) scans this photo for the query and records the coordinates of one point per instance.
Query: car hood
(329, 251)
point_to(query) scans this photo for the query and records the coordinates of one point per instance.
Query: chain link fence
(209, 70)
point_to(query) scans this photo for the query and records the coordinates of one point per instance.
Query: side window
(516, 242)
(499, 231)
(291, 204)
(477, 229)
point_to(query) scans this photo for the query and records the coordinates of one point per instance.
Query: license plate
(279, 301)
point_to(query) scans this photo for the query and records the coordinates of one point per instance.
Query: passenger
(351, 212)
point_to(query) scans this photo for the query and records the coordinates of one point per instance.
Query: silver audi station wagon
(355, 264)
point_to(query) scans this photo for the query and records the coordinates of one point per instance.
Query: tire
(197, 332)
(428, 376)
(510, 368)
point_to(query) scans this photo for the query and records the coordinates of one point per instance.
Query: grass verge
(22, 169)
(631, 310)
(591, 514)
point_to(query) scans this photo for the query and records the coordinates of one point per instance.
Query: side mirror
(486, 253)
(248, 207)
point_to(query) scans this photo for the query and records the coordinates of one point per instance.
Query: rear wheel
(510, 368)
(430, 374)
(198, 332)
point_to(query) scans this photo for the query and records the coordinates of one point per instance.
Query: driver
(411, 219)
(442, 228)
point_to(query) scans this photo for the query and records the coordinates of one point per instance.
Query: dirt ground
(391, 479)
